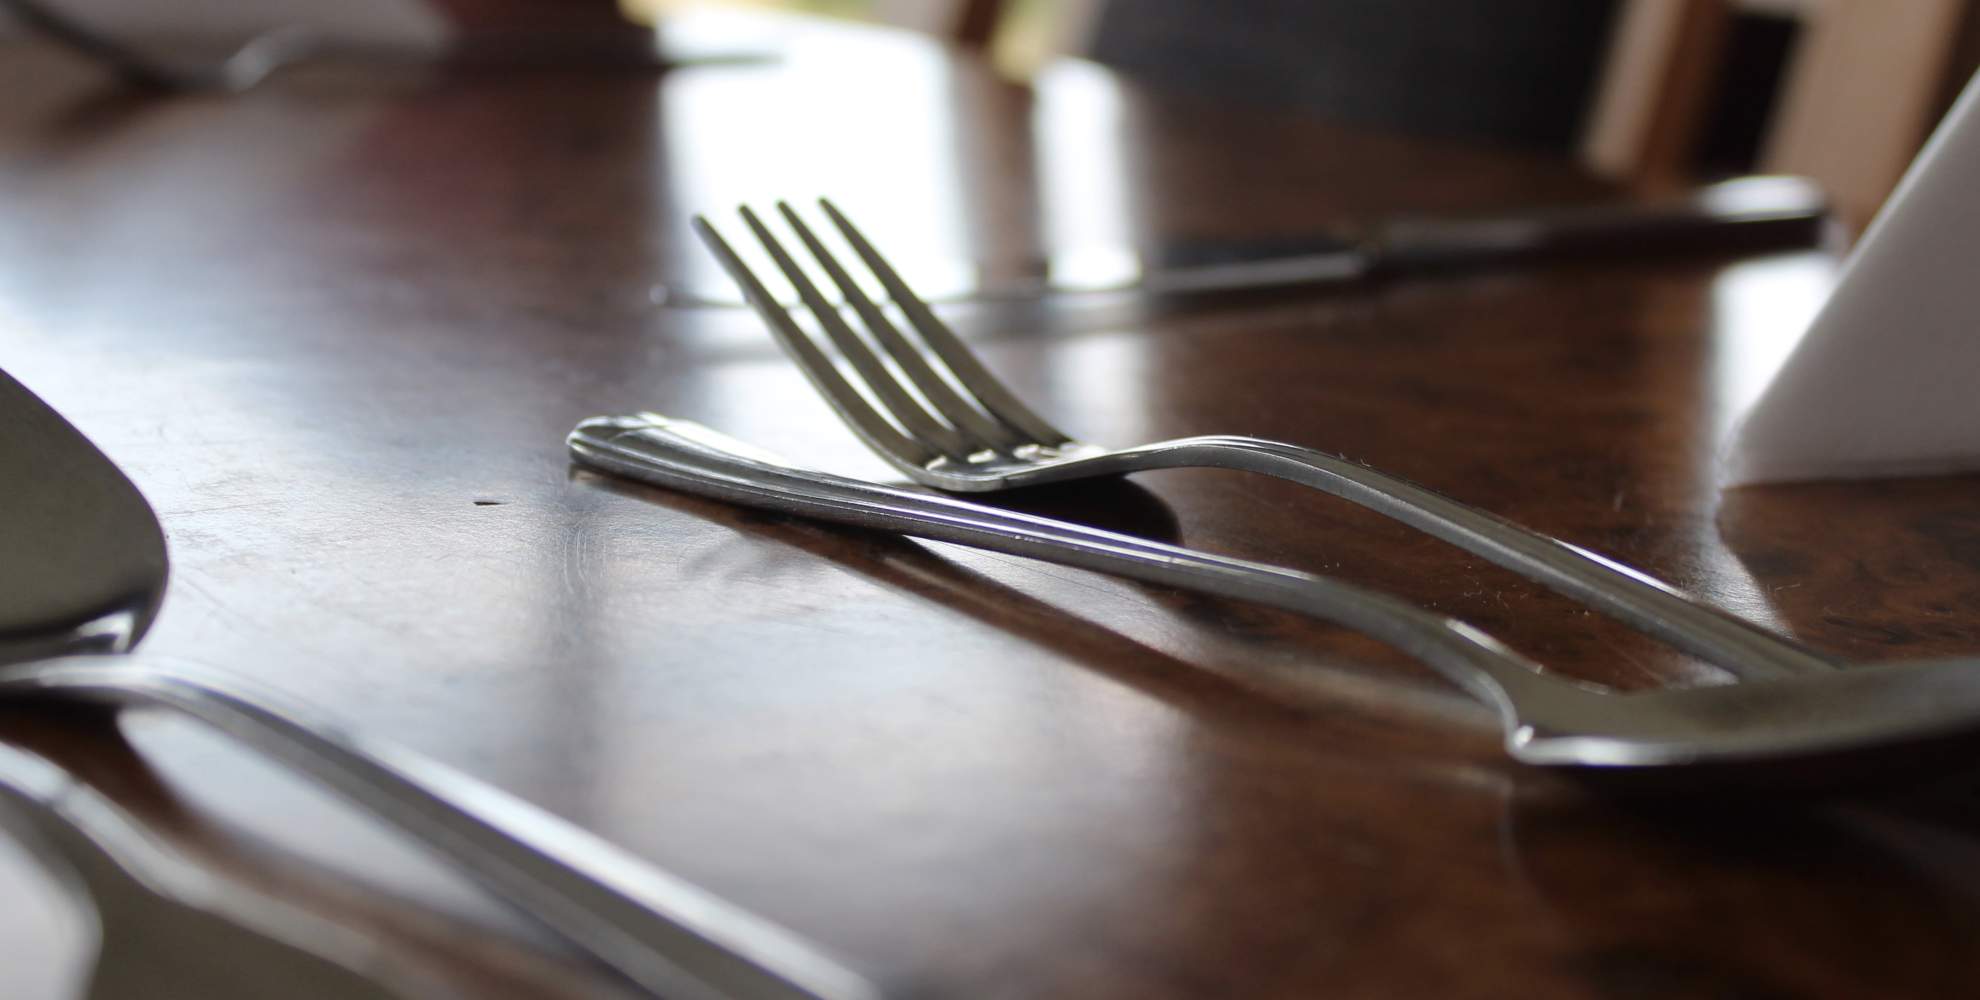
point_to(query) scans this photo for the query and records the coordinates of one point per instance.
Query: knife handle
(1744, 215)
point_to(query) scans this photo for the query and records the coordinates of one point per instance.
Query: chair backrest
(1520, 72)
(1626, 84)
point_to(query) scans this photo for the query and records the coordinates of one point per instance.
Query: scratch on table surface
(190, 511)
(216, 610)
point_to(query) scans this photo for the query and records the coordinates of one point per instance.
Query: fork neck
(1624, 593)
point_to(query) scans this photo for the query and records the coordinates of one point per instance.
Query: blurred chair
(545, 30)
(1620, 82)
(1628, 86)
(1510, 71)
(968, 23)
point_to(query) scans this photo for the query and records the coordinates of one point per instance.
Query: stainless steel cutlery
(928, 406)
(946, 422)
(85, 572)
(1817, 722)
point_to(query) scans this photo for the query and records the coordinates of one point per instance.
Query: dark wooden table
(336, 329)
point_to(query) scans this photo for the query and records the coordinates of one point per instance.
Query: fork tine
(853, 408)
(907, 413)
(968, 371)
(966, 416)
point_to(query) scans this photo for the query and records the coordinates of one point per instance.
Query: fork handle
(665, 934)
(685, 456)
(1629, 595)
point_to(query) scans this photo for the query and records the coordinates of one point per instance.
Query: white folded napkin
(1886, 381)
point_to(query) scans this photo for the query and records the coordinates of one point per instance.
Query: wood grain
(337, 328)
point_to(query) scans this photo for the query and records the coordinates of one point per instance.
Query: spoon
(82, 572)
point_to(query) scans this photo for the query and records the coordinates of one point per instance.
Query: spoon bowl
(96, 589)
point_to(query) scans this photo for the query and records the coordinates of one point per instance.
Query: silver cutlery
(82, 570)
(948, 423)
(1811, 727)
(1745, 214)
(166, 928)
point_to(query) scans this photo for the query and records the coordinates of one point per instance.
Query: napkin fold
(1886, 381)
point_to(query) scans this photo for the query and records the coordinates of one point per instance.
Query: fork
(166, 928)
(946, 422)
(1831, 727)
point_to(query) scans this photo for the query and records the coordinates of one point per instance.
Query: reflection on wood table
(336, 328)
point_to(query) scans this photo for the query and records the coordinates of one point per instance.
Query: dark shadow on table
(1220, 689)
(900, 562)
(1637, 934)
(1113, 505)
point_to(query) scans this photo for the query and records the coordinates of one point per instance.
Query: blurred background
(1653, 93)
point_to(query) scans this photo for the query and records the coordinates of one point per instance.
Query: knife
(1744, 215)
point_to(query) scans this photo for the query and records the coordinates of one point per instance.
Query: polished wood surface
(336, 329)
